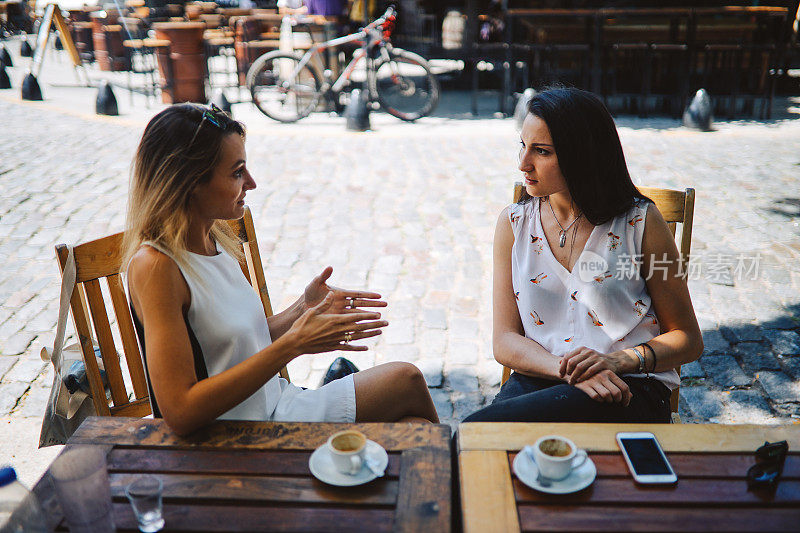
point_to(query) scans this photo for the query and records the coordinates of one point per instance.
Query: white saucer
(578, 479)
(322, 468)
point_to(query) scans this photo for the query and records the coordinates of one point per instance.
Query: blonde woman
(209, 351)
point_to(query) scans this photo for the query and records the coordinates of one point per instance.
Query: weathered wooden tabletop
(254, 476)
(711, 462)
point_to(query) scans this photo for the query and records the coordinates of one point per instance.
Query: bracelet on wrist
(652, 351)
(641, 359)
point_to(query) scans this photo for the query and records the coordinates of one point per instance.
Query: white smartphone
(645, 458)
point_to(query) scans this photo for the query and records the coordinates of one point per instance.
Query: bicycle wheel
(279, 90)
(405, 85)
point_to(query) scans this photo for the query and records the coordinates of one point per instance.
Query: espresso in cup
(347, 450)
(555, 447)
(557, 456)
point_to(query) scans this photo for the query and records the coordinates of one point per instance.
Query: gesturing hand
(583, 363)
(606, 386)
(344, 301)
(320, 329)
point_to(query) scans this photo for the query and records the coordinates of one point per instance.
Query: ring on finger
(352, 303)
(348, 337)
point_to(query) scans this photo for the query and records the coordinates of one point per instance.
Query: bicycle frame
(368, 38)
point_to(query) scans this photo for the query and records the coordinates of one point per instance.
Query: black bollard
(30, 88)
(221, 102)
(521, 110)
(25, 49)
(59, 46)
(106, 103)
(699, 113)
(5, 81)
(5, 57)
(357, 111)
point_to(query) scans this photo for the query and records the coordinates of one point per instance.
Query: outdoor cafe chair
(677, 207)
(101, 258)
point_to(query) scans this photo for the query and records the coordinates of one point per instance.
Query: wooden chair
(101, 258)
(676, 207)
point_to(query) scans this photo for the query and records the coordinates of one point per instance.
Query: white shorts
(334, 402)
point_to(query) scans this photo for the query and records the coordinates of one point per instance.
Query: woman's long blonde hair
(179, 150)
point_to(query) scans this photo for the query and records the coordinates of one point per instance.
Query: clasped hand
(596, 374)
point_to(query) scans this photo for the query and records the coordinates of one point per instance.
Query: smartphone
(645, 458)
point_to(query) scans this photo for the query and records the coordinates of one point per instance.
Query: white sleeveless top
(603, 304)
(227, 319)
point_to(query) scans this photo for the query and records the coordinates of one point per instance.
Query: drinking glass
(83, 489)
(145, 497)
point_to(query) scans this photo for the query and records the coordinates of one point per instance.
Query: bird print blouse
(602, 304)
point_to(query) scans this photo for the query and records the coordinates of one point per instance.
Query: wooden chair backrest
(676, 207)
(251, 266)
(101, 258)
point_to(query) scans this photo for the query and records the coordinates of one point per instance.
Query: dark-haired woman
(209, 351)
(590, 309)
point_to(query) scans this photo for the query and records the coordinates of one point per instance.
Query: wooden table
(249, 476)
(711, 494)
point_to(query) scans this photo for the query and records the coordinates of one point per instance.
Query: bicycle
(287, 86)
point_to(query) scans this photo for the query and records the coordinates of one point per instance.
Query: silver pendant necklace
(562, 235)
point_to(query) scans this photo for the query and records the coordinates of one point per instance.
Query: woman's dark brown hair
(589, 152)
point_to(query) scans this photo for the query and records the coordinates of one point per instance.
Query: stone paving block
(742, 333)
(432, 343)
(692, 370)
(466, 403)
(489, 373)
(702, 402)
(461, 379)
(462, 352)
(724, 370)
(382, 283)
(402, 352)
(744, 402)
(441, 400)
(432, 369)
(10, 393)
(715, 343)
(792, 366)
(779, 387)
(399, 332)
(756, 356)
(26, 370)
(782, 322)
(464, 328)
(784, 342)
(434, 318)
(17, 343)
(6, 362)
(8, 328)
(33, 403)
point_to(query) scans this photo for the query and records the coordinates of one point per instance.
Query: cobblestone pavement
(409, 211)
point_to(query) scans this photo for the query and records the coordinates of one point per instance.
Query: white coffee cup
(557, 456)
(347, 448)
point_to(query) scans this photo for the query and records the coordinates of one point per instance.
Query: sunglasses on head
(215, 116)
(769, 465)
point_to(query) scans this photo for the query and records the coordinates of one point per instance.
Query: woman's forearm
(672, 349)
(209, 398)
(525, 356)
(281, 322)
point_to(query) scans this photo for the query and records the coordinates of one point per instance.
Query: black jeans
(527, 399)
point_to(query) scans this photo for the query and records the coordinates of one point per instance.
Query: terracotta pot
(186, 37)
(188, 91)
(189, 66)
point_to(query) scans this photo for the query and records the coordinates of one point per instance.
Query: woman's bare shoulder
(152, 269)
